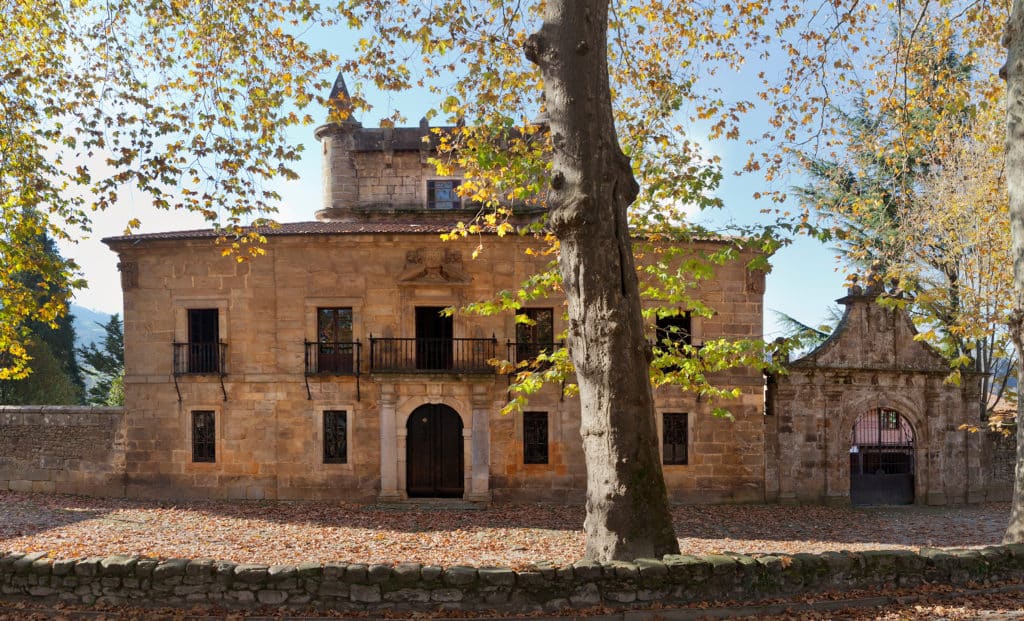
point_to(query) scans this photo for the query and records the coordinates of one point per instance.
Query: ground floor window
(674, 438)
(335, 437)
(204, 437)
(535, 437)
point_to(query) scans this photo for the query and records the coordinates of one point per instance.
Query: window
(203, 352)
(442, 194)
(335, 437)
(535, 334)
(335, 346)
(204, 438)
(535, 437)
(677, 329)
(674, 438)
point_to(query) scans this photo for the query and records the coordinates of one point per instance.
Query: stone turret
(339, 176)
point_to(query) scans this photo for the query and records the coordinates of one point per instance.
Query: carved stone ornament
(433, 265)
(129, 274)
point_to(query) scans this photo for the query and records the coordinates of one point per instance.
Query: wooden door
(434, 459)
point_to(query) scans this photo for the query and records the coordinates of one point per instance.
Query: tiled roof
(298, 228)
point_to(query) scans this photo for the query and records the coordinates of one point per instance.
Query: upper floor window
(203, 353)
(535, 332)
(676, 329)
(674, 438)
(335, 347)
(443, 194)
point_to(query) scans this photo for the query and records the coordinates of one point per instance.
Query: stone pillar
(941, 446)
(389, 457)
(401, 437)
(478, 446)
(835, 454)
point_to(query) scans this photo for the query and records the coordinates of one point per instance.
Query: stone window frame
(218, 436)
(351, 449)
(659, 416)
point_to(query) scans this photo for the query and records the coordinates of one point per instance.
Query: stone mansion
(326, 369)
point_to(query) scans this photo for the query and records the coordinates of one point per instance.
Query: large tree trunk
(1013, 73)
(592, 185)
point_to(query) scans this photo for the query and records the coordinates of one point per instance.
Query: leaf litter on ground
(516, 536)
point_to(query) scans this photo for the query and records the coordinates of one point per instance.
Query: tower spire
(340, 102)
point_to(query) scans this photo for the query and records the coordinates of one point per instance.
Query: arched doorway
(882, 459)
(434, 459)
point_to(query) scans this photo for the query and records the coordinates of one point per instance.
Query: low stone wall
(66, 449)
(998, 459)
(407, 586)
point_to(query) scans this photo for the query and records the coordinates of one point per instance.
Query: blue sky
(804, 280)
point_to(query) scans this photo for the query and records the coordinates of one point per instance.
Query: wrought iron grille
(341, 358)
(204, 438)
(432, 355)
(200, 358)
(883, 443)
(535, 437)
(335, 437)
(674, 434)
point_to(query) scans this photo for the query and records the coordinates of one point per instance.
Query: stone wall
(674, 580)
(997, 457)
(66, 449)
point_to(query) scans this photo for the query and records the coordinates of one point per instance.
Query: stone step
(428, 504)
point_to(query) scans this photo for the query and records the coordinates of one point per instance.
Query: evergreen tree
(105, 364)
(47, 384)
(51, 343)
(60, 335)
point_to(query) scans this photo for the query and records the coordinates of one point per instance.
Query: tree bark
(592, 185)
(1013, 73)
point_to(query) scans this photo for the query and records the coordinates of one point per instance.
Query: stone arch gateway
(873, 376)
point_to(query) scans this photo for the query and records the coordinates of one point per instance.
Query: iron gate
(882, 459)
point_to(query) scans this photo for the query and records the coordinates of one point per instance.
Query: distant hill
(88, 325)
(88, 330)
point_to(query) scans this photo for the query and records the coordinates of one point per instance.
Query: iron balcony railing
(432, 355)
(340, 358)
(528, 351)
(200, 358)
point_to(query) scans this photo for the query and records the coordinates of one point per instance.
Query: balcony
(340, 358)
(432, 355)
(200, 358)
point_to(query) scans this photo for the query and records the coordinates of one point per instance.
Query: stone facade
(268, 412)
(873, 363)
(65, 449)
